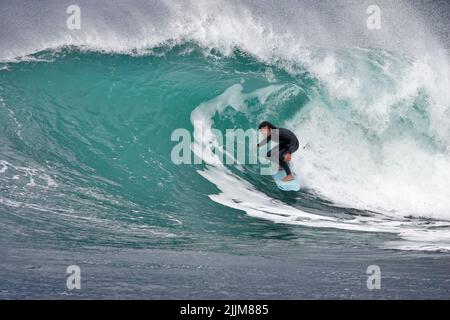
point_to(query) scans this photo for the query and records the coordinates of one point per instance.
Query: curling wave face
(87, 124)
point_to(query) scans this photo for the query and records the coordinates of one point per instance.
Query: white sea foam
(266, 29)
(31, 176)
(340, 165)
(373, 146)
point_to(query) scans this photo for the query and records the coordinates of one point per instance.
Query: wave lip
(265, 29)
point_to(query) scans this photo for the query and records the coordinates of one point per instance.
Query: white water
(346, 175)
(266, 29)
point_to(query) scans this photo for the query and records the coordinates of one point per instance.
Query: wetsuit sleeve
(293, 146)
(264, 142)
(292, 149)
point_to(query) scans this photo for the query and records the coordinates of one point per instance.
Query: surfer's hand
(287, 157)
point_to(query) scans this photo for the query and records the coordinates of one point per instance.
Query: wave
(86, 116)
(344, 163)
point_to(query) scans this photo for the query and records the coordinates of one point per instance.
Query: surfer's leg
(283, 163)
(276, 155)
(273, 155)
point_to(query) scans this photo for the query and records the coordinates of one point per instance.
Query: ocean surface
(87, 177)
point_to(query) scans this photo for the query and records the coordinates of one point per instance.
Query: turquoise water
(85, 156)
(87, 147)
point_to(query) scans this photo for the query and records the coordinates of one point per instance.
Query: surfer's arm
(264, 142)
(292, 148)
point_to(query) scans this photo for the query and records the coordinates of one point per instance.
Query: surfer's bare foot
(288, 178)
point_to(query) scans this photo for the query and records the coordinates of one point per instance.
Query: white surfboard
(293, 185)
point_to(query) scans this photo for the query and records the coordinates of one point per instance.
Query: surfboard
(293, 185)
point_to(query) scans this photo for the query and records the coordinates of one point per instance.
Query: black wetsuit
(287, 143)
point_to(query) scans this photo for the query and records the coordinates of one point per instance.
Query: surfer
(282, 153)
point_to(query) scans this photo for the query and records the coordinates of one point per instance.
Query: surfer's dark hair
(266, 124)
